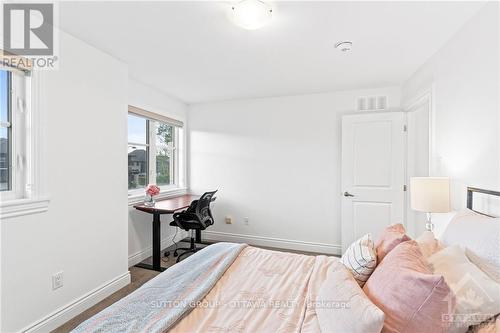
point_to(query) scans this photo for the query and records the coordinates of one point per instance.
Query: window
(12, 134)
(23, 181)
(164, 154)
(5, 132)
(154, 156)
(138, 152)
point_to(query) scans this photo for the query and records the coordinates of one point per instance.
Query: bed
(239, 288)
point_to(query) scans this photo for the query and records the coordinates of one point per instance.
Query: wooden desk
(166, 206)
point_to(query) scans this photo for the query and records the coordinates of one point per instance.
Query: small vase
(149, 201)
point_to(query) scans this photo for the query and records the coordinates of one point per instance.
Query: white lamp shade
(430, 194)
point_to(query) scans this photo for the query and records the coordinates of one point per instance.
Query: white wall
(84, 233)
(277, 162)
(139, 223)
(154, 100)
(465, 74)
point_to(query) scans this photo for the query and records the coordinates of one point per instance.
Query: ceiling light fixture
(344, 46)
(251, 14)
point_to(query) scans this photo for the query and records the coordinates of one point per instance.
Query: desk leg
(156, 242)
(198, 236)
(156, 266)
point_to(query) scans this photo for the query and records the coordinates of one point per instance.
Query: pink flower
(152, 190)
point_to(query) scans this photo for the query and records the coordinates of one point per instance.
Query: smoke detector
(344, 46)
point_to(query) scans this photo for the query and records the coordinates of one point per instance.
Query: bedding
(389, 239)
(477, 295)
(428, 244)
(268, 291)
(360, 258)
(361, 315)
(492, 325)
(412, 298)
(238, 288)
(244, 298)
(487, 267)
(148, 308)
(478, 233)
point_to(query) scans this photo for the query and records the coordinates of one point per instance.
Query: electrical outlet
(246, 220)
(57, 280)
(229, 220)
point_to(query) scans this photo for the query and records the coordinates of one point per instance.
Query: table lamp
(430, 195)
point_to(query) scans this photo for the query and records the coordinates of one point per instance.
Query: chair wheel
(176, 254)
(167, 254)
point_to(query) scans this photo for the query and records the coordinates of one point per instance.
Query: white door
(373, 174)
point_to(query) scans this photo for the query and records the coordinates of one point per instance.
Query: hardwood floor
(139, 276)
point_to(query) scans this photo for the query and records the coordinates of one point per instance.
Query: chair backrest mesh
(203, 207)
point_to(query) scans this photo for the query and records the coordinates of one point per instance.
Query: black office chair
(197, 217)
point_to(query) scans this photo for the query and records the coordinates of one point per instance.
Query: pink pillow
(390, 238)
(412, 298)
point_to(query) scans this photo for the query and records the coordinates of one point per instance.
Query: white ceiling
(192, 51)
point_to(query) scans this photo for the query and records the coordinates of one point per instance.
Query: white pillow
(428, 244)
(478, 233)
(356, 315)
(477, 295)
(361, 259)
(491, 270)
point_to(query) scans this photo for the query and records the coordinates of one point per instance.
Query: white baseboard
(139, 256)
(67, 312)
(272, 242)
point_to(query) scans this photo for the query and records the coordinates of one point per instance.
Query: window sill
(20, 207)
(175, 192)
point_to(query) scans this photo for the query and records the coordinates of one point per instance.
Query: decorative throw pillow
(412, 298)
(389, 239)
(477, 295)
(428, 244)
(360, 258)
(359, 315)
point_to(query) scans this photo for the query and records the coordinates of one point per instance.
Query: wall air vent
(371, 103)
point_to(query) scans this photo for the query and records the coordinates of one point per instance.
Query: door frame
(425, 97)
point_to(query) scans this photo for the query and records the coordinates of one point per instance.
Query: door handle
(347, 194)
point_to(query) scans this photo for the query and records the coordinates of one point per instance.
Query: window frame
(153, 154)
(31, 195)
(17, 102)
(177, 160)
(147, 148)
(8, 126)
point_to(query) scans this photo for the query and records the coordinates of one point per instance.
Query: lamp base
(429, 226)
